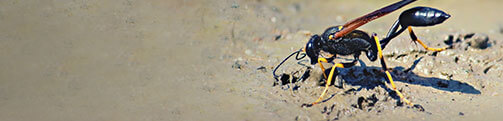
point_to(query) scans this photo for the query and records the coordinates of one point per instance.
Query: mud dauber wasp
(346, 40)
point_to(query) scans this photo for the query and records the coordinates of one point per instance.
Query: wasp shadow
(371, 76)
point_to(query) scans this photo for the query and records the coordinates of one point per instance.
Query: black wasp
(346, 40)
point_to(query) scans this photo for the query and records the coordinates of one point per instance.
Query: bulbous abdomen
(422, 16)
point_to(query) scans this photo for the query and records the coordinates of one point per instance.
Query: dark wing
(352, 25)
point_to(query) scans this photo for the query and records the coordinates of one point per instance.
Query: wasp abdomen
(423, 16)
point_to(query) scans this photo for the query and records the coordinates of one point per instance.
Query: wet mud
(213, 60)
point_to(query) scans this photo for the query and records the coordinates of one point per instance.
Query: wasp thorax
(330, 32)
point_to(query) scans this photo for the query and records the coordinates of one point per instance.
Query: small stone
(234, 5)
(262, 68)
(236, 65)
(449, 40)
(461, 113)
(277, 37)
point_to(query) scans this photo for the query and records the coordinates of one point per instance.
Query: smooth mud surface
(213, 60)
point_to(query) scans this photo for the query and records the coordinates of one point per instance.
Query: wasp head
(313, 48)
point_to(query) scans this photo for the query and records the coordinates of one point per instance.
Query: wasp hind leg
(415, 39)
(390, 78)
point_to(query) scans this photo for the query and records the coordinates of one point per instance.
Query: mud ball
(363, 102)
(478, 41)
(285, 79)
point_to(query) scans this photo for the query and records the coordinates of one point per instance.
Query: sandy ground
(212, 60)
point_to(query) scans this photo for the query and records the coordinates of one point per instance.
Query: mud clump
(478, 41)
(472, 40)
(449, 40)
(363, 102)
(294, 77)
(285, 79)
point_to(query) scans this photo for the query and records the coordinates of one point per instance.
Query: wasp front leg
(330, 76)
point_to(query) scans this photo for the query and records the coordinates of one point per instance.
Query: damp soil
(213, 60)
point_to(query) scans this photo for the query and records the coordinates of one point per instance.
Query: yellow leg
(329, 81)
(396, 91)
(388, 75)
(321, 65)
(415, 39)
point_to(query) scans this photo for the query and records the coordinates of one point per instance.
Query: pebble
(234, 5)
(248, 52)
(236, 65)
(273, 19)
